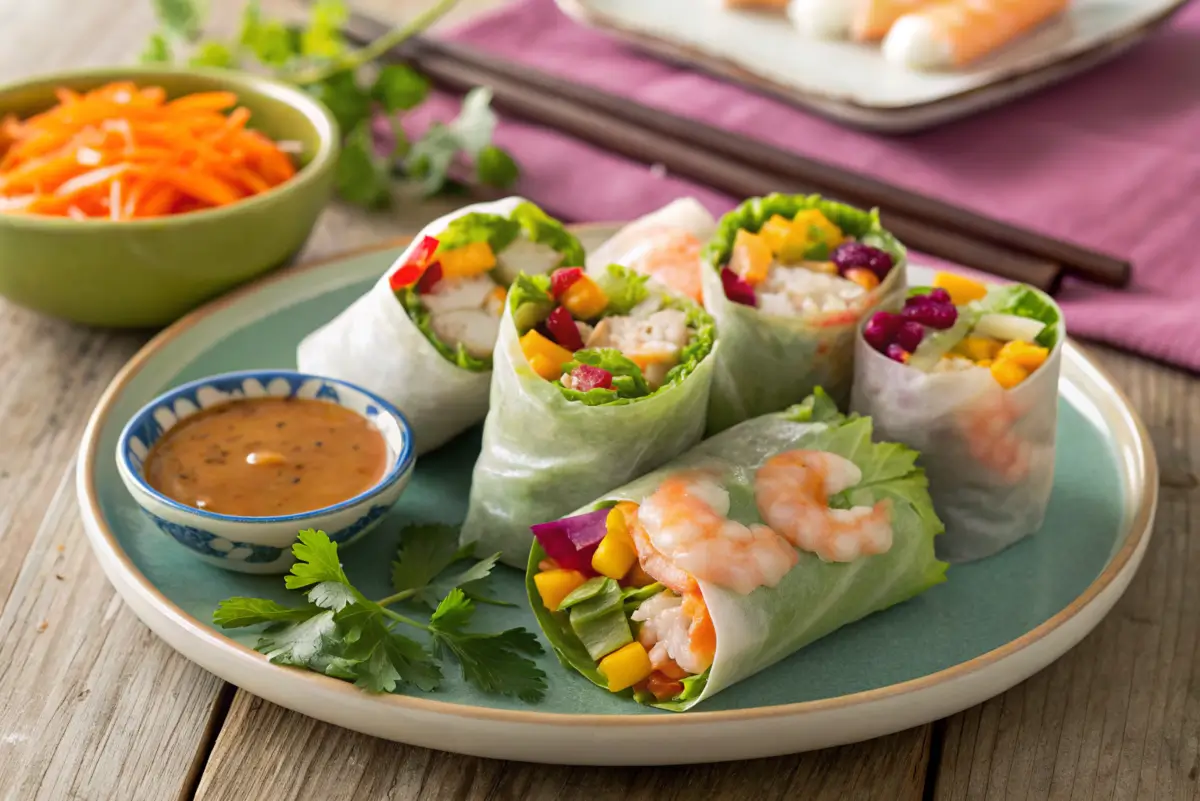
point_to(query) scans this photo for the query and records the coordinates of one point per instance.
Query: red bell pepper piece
(431, 277)
(737, 289)
(563, 330)
(412, 269)
(586, 377)
(561, 280)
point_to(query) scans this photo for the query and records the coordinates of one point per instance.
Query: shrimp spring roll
(664, 245)
(953, 33)
(739, 553)
(597, 381)
(422, 337)
(788, 278)
(968, 376)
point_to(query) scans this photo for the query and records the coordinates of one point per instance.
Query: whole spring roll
(422, 337)
(734, 556)
(597, 381)
(664, 245)
(968, 376)
(788, 278)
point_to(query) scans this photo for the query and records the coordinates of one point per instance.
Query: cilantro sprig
(339, 632)
(357, 90)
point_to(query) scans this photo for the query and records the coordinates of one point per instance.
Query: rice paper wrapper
(630, 243)
(544, 455)
(769, 362)
(815, 598)
(375, 344)
(988, 451)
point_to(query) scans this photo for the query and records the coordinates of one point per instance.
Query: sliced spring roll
(664, 245)
(968, 376)
(788, 278)
(860, 20)
(423, 336)
(734, 556)
(597, 380)
(952, 33)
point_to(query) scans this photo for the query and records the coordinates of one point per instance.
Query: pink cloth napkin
(1110, 159)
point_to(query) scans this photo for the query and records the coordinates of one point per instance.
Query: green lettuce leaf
(530, 300)
(624, 287)
(545, 230)
(499, 232)
(1025, 301)
(628, 381)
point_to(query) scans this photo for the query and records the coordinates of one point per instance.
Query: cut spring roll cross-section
(952, 33)
(737, 554)
(664, 245)
(787, 279)
(422, 337)
(861, 20)
(968, 375)
(597, 380)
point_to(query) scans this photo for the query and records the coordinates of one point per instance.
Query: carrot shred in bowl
(121, 152)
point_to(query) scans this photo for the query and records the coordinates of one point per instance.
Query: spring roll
(860, 20)
(953, 33)
(664, 245)
(597, 381)
(423, 336)
(968, 376)
(747, 548)
(788, 278)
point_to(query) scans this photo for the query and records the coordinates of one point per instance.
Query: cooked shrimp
(677, 632)
(991, 440)
(690, 538)
(792, 492)
(670, 256)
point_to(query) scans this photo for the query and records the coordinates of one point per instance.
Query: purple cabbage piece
(572, 541)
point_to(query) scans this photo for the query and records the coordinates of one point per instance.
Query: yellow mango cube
(1008, 373)
(637, 577)
(468, 260)
(751, 257)
(977, 349)
(555, 585)
(614, 556)
(1026, 354)
(545, 356)
(865, 278)
(585, 299)
(625, 667)
(984, 363)
(775, 232)
(817, 227)
(824, 267)
(961, 290)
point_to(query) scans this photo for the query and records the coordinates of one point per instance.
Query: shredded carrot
(121, 152)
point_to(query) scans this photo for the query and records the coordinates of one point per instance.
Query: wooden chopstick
(727, 172)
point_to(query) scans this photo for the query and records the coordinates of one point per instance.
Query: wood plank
(269, 753)
(1119, 716)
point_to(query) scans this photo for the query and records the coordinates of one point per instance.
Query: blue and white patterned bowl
(262, 544)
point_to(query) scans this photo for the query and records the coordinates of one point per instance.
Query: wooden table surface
(94, 706)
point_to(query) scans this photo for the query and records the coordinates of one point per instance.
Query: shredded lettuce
(545, 230)
(624, 287)
(530, 300)
(1025, 301)
(423, 320)
(499, 232)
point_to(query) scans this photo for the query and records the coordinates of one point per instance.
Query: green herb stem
(403, 595)
(408, 621)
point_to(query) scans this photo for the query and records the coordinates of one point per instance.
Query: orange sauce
(262, 457)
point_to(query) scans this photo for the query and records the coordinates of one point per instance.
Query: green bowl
(149, 272)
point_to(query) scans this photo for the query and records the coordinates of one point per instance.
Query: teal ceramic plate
(990, 626)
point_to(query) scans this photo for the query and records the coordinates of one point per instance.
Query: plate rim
(104, 544)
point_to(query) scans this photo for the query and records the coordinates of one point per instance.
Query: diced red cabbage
(881, 329)
(849, 255)
(588, 377)
(737, 289)
(572, 541)
(563, 330)
(431, 277)
(561, 280)
(909, 335)
(935, 315)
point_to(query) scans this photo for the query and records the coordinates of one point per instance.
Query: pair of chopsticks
(743, 167)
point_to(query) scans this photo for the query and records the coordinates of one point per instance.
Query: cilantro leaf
(158, 50)
(213, 54)
(361, 176)
(181, 18)
(494, 663)
(475, 123)
(298, 643)
(238, 612)
(425, 551)
(399, 87)
(383, 659)
(323, 36)
(494, 167)
(332, 595)
(271, 42)
(316, 561)
(349, 102)
(431, 157)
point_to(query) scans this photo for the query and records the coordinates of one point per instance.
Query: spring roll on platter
(422, 337)
(968, 376)
(598, 379)
(788, 278)
(739, 553)
(953, 33)
(664, 245)
(860, 20)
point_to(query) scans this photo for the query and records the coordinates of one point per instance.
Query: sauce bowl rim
(403, 461)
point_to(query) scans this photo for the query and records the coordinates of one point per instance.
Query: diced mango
(977, 349)
(554, 585)
(585, 299)
(751, 257)
(962, 290)
(865, 278)
(1026, 354)
(637, 577)
(818, 228)
(796, 245)
(775, 232)
(826, 267)
(1008, 373)
(617, 526)
(467, 260)
(984, 363)
(614, 555)
(545, 356)
(625, 667)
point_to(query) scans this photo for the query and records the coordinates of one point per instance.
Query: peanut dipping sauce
(263, 457)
